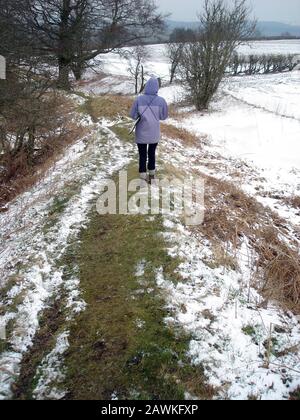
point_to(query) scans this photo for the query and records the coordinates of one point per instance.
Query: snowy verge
(38, 228)
(230, 333)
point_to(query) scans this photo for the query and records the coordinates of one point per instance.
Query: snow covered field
(253, 129)
(158, 62)
(254, 124)
(254, 119)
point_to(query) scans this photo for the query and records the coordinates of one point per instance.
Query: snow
(51, 372)
(219, 308)
(284, 46)
(30, 255)
(254, 134)
(277, 93)
(158, 65)
(251, 134)
(234, 362)
(253, 128)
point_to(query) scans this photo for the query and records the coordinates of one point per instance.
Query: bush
(36, 123)
(261, 64)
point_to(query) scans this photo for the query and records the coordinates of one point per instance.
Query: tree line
(261, 64)
(46, 43)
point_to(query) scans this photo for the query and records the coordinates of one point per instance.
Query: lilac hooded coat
(152, 109)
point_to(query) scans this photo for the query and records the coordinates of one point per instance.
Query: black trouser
(147, 150)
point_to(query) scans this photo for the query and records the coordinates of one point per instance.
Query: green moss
(249, 330)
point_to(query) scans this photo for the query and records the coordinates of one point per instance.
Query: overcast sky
(287, 11)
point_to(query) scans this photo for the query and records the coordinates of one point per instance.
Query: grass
(59, 205)
(123, 132)
(293, 201)
(295, 396)
(249, 330)
(108, 352)
(107, 106)
(222, 258)
(50, 323)
(185, 136)
(230, 216)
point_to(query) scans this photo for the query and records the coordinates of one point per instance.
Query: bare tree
(174, 48)
(174, 53)
(29, 108)
(204, 62)
(74, 32)
(136, 57)
(29, 113)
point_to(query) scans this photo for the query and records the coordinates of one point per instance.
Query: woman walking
(150, 109)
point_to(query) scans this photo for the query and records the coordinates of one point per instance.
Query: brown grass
(222, 257)
(281, 269)
(293, 201)
(22, 175)
(230, 213)
(97, 78)
(175, 133)
(230, 216)
(108, 106)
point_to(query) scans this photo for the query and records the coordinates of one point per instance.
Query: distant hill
(277, 29)
(266, 29)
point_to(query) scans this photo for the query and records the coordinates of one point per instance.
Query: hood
(152, 87)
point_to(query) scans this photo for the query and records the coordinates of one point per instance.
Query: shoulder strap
(149, 106)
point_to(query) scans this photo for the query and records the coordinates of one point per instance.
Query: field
(216, 306)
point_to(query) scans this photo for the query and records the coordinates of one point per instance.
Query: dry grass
(231, 216)
(293, 201)
(175, 133)
(22, 175)
(222, 257)
(97, 78)
(281, 269)
(108, 106)
(230, 213)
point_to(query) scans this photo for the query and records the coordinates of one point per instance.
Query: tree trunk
(172, 75)
(78, 70)
(30, 145)
(63, 81)
(142, 80)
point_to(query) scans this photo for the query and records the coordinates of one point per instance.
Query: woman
(151, 109)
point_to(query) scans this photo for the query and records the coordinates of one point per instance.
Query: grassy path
(120, 345)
